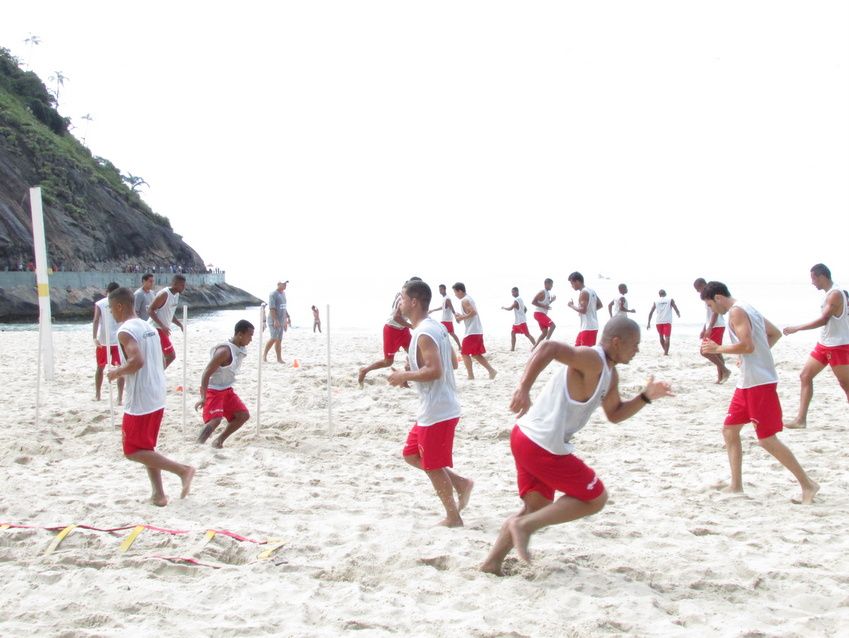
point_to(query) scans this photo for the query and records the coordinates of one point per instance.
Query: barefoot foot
(464, 495)
(491, 568)
(160, 500)
(361, 377)
(796, 424)
(492, 374)
(451, 522)
(520, 539)
(808, 494)
(186, 478)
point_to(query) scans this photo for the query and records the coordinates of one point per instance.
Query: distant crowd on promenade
(122, 265)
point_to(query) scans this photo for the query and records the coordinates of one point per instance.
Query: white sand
(670, 555)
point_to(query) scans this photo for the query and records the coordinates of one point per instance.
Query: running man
(143, 297)
(542, 302)
(162, 314)
(472, 347)
(713, 329)
(663, 323)
(142, 365)
(217, 397)
(755, 399)
(396, 335)
(103, 330)
(621, 303)
(520, 321)
(447, 308)
(277, 321)
(588, 306)
(430, 443)
(832, 349)
(544, 457)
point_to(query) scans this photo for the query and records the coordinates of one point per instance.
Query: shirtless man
(520, 321)
(755, 399)
(396, 335)
(621, 303)
(713, 329)
(587, 308)
(542, 302)
(664, 306)
(832, 349)
(447, 308)
(162, 315)
(217, 397)
(544, 457)
(472, 347)
(430, 443)
(141, 365)
(103, 330)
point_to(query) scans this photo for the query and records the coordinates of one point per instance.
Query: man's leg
(512, 341)
(734, 447)
(531, 339)
(542, 335)
(842, 374)
(98, 382)
(208, 429)
(267, 348)
(383, 363)
(810, 370)
(169, 358)
(462, 485)
(467, 361)
(550, 330)
(482, 360)
(784, 456)
(155, 461)
(533, 501)
(238, 420)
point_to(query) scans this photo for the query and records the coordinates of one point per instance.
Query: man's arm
(221, 357)
(675, 308)
(598, 304)
(95, 324)
(138, 303)
(833, 307)
(610, 307)
(617, 410)
(538, 301)
(583, 302)
(651, 312)
(773, 334)
(469, 311)
(430, 365)
(134, 358)
(158, 302)
(739, 322)
(513, 307)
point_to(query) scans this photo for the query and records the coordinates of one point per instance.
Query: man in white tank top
(664, 306)
(520, 321)
(141, 357)
(542, 302)
(217, 397)
(447, 310)
(430, 443)
(587, 308)
(755, 399)
(162, 315)
(832, 348)
(620, 303)
(540, 443)
(472, 347)
(713, 329)
(104, 330)
(396, 335)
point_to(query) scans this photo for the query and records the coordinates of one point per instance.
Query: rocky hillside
(85, 198)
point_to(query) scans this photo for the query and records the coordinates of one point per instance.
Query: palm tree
(32, 40)
(88, 118)
(59, 78)
(134, 181)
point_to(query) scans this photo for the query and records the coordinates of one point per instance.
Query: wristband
(645, 397)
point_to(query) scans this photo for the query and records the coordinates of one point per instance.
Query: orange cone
(296, 364)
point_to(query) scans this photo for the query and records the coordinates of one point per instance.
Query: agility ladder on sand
(65, 530)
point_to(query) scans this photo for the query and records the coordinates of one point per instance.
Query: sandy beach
(670, 555)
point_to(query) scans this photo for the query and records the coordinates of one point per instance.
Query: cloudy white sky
(347, 145)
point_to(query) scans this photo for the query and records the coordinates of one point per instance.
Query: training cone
(179, 388)
(296, 364)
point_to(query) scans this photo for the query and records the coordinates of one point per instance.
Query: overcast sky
(339, 143)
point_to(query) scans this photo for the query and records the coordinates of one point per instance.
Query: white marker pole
(259, 366)
(40, 248)
(108, 365)
(185, 351)
(329, 388)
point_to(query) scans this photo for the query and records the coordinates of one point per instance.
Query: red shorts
(449, 326)
(831, 355)
(543, 320)
(222, 403)
(100, 354)
(434, 444)
(758, 405)
(664, 329)
(586, 338)
(394, 339)
(521, 329)
(716, 335)
(165, 340)
(140, 431)
(538, 470)
(472, 345)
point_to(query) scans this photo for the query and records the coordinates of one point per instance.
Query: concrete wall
(76, 280)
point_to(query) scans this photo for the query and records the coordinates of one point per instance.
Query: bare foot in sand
(724, 376)
(361, 377)
(491, 569)
(186, 478)
(464, 495)
(796, 424)
(492, 374)
(217, 443)
(160, 500)
(731, 490)
(451, 522)
(520, 538)
(808, 494)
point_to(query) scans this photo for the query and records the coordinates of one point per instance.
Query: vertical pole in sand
(40, 248)
(259, 366)
(108, 363)
(329, 388)
(185, 351)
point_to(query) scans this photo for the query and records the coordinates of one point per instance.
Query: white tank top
(107, 324)
(546, 299)
(447, 313)
(720, 320)
(473, 324)
(758, 367)
(396, 303)
(589, 321)
(519, 312)
(144, 391)
(166, 312)
(438, 398)
(554, 417)
(621, 306)
(663, 310)
(225, 376)
(836, 331)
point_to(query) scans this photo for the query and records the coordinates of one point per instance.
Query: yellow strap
(210, 534)
(4, 526)
(43, 290)
(275, 544)
(138, 529)
(58, 539)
